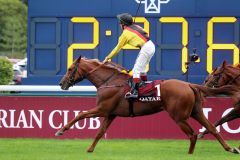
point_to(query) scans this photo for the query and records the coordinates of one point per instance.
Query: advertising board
(41, 117)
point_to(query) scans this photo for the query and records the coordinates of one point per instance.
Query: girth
(130, 108)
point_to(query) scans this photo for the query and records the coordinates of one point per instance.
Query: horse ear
(224, 63)
(78, 60)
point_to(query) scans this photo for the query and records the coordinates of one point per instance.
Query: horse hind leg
(187, 129)
(90, 113)
(203, 121)
(106, 123)
(233, 114)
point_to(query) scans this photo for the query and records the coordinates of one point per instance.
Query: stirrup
(129, 95)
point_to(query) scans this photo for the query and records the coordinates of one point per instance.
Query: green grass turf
(75, 149)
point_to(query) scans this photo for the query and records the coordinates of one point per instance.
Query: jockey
(134, 35)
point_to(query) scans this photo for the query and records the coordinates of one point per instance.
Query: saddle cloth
(148, 91)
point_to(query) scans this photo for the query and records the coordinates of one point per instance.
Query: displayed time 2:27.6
(145, 23)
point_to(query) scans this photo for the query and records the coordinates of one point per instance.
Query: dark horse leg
(106, 123)
(233, 114)
(197, 114)
(187, 129)
(95, 112)
(204, 121)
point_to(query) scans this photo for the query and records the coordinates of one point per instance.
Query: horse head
(219, 76)
(73, 75)
(96, 72)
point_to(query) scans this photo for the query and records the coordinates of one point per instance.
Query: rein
(94, 69)
(111, 86)
(215, 82)
(104, 81)
(234, 79)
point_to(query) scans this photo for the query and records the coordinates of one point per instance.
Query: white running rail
(46, 88)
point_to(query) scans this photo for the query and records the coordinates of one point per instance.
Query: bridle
(71, 80)
(220, 75)
(234, 79)
(216, 77)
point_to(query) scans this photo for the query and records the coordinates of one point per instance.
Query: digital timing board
(61, 30)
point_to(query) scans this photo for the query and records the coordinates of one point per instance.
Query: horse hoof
(58, 133)
(200, 136)
(90, 150)
(235, 150)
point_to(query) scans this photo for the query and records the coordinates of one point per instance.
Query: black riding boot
(134, 91)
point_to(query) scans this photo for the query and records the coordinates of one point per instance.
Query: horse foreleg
(233, 114)
(90, 113)
(203, 121)
(106, 123)
(187, 129)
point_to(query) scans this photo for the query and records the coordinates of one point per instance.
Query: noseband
(217, 77)
(234, 79)
(71, 80)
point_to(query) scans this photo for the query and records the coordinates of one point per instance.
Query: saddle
(148, 91)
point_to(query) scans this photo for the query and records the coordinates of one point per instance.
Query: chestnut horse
(178, 99)
(221, 76)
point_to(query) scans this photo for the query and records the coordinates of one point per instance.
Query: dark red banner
(42, 116)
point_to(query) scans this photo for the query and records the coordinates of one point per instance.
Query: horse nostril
(60, 84)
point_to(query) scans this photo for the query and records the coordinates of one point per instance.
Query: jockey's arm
(122, 41)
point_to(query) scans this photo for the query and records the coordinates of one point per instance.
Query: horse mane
(110, 65)
(115, 66)
(237, 65)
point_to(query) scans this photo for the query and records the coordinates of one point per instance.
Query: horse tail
(198, 101)
(228, 90)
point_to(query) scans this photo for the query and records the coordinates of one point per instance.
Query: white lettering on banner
(225, 125)
(205, 112)
(3, 116)
(12, 120)
(97, 122)
(65, 117)
(22, 120)
(77, 123)
(94, 123)
(58, 118)
(50, 119)
(34, 119)
(37, 119)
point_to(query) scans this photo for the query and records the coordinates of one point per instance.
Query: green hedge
(6, 71)
(13, 28)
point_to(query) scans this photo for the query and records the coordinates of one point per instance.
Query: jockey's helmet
(125, 19)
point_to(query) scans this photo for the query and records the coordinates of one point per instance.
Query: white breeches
(144, 57)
